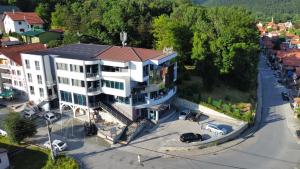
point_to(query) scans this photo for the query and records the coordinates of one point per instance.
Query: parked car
(56, 144)
(285, 96)
(190, 137)
(50, 117)
(216, 129)
(3, 133)
(29, 114)
(194, 116)
(183, 114)
(90, 129)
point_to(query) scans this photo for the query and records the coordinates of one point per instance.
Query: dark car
(190, 137)
(285, 96)
(90, 129)
(193, 116)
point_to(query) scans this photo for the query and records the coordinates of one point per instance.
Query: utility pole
(50, 140)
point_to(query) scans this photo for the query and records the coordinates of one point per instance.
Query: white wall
(136, 71)
(18, 78)
(36, 96)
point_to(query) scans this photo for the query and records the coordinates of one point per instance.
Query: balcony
(93, 89)
(91, 75)
(4, 66)
(6, 75)
(161, 98)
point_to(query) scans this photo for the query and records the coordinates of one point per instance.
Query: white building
(4, 162)
(21, 21)
(12, 72)
(130, 83)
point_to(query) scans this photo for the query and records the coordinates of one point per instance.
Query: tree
(44, 12)
(18, 128)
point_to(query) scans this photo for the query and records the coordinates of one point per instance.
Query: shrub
(54, 43)
(209, 100)
(18, 128)
(61, 162)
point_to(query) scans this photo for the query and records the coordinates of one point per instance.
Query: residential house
(6, 8)
(129, 83)
(12, 73)
(40, 36)
(20, 22)
(295, 42)
(4, 162)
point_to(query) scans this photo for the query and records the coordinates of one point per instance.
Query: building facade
(131, 83)
(20, 22)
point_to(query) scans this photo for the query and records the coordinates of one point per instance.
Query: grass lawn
(31, 158)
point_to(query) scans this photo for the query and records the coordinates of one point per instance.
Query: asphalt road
(271, 147)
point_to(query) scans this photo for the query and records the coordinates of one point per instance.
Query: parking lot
(168, 133)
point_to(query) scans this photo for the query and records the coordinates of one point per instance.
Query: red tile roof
(14, 52)
(30, 17)
(289, 57)
(125, 54)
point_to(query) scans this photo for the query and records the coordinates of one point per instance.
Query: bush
(18, 128)
(54, 43)
(61, 162)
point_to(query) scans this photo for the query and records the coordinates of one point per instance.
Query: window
(63, 80)
(37, 65)
(22, 30)
(76, 68)
(112, 84)
(20, 83)
(66, 96)
(78, 83)
(27, 64)
(39, 78)
(20, 23)
(79, 99)
(62, 66)
(13, 72)
(31, 90)
(18, 72)
(15, 83)
(41, 92)
(29, 77)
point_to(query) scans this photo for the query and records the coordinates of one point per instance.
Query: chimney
(13, 10)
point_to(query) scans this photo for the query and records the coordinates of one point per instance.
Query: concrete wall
(207, 111)
(136, 71)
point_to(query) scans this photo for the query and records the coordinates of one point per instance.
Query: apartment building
(12, 72)
(130, 83)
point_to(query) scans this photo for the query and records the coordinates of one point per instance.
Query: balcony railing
(88, 75)
(6, 75)
(4, 66)
(94, 105)
(94, 89)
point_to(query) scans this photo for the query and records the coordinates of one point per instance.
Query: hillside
(280, 9)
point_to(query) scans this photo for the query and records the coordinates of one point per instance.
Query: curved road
(271, 147)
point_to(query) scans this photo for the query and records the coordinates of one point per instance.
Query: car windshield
(52, 117)
(60, 144)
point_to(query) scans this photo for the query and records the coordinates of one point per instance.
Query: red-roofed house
(11, 69)
(21, 21)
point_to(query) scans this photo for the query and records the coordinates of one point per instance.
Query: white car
(216, 129)
(56, 144)
(183, 114)
(50, 117)
(3, 133)
(28, 113)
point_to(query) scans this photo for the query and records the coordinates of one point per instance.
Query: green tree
(18, 128)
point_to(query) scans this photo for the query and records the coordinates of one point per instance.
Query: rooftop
(125, 54)
(13, 52)
(30, 17)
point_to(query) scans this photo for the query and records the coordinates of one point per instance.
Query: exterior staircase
(117, 114)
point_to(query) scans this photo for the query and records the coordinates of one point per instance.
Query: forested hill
(280, 9)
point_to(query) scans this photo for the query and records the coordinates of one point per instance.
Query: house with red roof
(112, 83)
(11, 70)
(20, 22)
